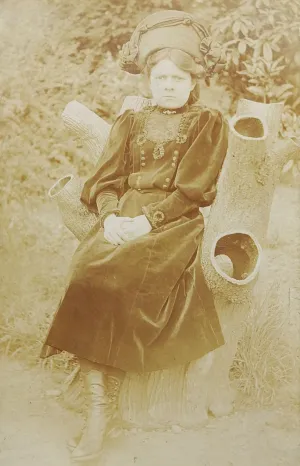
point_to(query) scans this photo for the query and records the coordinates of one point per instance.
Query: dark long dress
(144, 305)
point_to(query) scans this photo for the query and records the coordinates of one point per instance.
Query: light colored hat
(169, 29)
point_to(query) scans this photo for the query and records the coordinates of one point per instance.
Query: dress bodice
(150, 168)
(185, 164)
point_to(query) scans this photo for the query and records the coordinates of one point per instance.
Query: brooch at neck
(169, 112)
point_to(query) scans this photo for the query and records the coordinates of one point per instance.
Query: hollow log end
(249, 127)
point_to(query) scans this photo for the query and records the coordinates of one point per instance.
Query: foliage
(261, 50)
(35, 248)
(264, 361)
(60, 51)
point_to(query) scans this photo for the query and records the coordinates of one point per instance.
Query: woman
(137, 299)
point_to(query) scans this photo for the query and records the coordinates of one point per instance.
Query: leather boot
(113, 382)
(90, 444)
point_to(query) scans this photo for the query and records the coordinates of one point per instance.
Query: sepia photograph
(150, 233)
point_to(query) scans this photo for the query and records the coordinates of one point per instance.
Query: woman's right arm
(101, 192)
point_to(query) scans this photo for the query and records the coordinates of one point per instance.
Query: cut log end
(58, 187)
(249, 127)
(236, 257)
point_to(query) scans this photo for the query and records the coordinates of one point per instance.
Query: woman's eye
(176, 78)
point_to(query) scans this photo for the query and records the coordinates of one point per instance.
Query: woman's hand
(113, 231)
(138, 226)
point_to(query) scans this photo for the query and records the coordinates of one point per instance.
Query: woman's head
(171, 75)
(175, 36)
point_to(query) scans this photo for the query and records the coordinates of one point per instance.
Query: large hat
(168, 29)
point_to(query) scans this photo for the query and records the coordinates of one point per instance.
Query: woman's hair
(184, 61)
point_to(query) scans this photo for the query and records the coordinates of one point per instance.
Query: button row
(143, 164)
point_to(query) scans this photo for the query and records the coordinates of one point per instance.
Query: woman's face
(170, 86)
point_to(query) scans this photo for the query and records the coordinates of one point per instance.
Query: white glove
(138, 226)
(113, 232)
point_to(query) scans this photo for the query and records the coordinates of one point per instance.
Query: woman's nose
(169, 84)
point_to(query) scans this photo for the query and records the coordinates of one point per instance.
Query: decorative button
(173, 164)
(176, 152)
(165, 186)
(174, 158)
(143, 164)
(167, 179)
(142, 151)
(143, 158)
(158, 217)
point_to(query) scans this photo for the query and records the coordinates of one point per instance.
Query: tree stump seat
(232, 251)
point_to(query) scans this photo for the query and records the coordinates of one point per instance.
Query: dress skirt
(141, 306)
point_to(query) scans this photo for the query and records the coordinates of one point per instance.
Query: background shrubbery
(261, 41)
(68, 50)
(55, 51)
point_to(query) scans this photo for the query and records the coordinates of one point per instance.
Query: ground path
(35, 426)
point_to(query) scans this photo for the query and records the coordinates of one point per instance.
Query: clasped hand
(119, 230)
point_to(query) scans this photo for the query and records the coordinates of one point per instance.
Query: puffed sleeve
(198, 172)
(101, 192)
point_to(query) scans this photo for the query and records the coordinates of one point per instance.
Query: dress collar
(172, 111)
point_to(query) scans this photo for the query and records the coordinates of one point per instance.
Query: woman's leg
(102, 384)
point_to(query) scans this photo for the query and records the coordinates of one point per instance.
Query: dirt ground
(35, 426)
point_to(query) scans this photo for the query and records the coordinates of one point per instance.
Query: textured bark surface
(88, 127)
(236, 228)
(76, 217)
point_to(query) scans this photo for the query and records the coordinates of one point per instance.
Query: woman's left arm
(197, 173)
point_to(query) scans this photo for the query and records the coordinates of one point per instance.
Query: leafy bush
(261, 50)
(59, 52)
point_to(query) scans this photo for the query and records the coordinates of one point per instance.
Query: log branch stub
(91, 129)
(232, 230)
(271, 113)
(75, 215)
